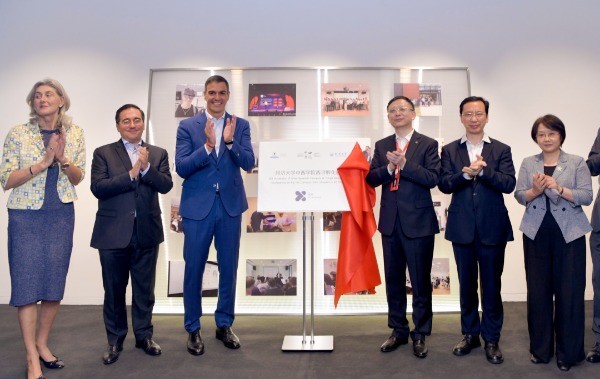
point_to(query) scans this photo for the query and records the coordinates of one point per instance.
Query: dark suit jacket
(593, 163)
(201, 171)
(120, 198)
(413, 198)
(478, 203)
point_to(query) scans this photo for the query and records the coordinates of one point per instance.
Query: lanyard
(396, 181)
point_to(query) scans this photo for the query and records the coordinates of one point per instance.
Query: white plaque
(302, 176)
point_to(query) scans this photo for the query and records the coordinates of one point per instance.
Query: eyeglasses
(469, 115)
(135, 121)
(550, 135)
(399, 110)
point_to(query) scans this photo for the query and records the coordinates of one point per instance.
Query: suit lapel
(221, 142)
(539, 164)
(464, 154)
(487, 150)
(389, 144)
(560, 166)
(201, 125)
(413, 145)
(122, 154)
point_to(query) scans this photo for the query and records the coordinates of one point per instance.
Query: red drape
(357, 268)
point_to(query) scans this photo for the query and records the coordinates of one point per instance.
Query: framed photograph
(440, 277)
(345, 99)
(330, 276)
(269, 221)
(271, 277)
(332, 221)
(210, 279)
(440, 205)
(427, 98)
(176, 223)
(189, 100)
(272, 99)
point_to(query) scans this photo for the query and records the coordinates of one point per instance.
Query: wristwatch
(64, 166)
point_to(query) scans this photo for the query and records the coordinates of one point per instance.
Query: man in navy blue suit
(406, 165)
(211, 150)
(477, 171)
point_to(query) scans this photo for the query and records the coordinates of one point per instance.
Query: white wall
(527, 57)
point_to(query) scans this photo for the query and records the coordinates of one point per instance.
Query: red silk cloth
(357, 268)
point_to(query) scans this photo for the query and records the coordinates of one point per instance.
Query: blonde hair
(63, 119)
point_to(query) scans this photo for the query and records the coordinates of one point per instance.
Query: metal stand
(300, 343)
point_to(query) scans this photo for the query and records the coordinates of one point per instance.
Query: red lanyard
(396, 181)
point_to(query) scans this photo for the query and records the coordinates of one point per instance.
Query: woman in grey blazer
(553, 185)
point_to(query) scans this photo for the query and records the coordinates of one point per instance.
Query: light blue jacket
(571, 172)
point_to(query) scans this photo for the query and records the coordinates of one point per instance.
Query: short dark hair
(127, 106)
(216, 79)
(472, 99)
(551, 122)
(412, 106)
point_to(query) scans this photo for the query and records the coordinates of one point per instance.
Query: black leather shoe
(419, 348)
(392, 343)
(229, 339)
(149, 346)
(493, 353)
(195, 346)
(57, 363)
(593, 356)
(563, 366)
(468, 343)
(111, 355)
(537, 360)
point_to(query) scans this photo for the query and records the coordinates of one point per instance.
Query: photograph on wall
(210, 279)
(440, 277)
(332, 221)
(255, 145)
(271, 277)
(345, 99)
(441, 203)
(330, 275)
(189, 100)
(272, 99)
(176, 223)
(427, 98)
(368, 153)
(269, 222)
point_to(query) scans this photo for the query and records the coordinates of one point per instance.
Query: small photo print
(269, 222)
(255, 147)
(176, 222)
(330, 276)
(440, 205)
(272, 99)
(427, 98)
(189, 100)
(332, 221)
(345, 99)
(271, 277)
(440, 277)
(210, 280)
